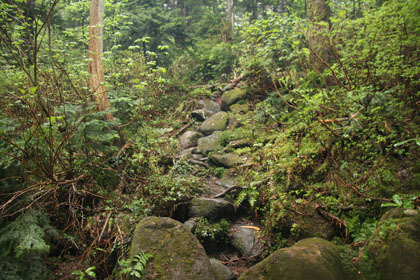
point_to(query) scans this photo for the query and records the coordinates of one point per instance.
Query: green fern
(241, 197)
(135, 267)
(23, 248)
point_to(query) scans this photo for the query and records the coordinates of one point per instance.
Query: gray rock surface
(244, 240)
(395, 245)
(209, 208)
(226, 160)
(189, 139)
(210, 143)
(191, 224)
(309, 259)
(217, 122)
(177, 254)
(221, 271)
(232, 96)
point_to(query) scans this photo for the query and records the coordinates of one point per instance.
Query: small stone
(191, 224)
(226, 160)
(206, 109)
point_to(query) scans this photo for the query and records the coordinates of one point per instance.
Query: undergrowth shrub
(24, 248)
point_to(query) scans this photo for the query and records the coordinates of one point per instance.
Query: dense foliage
(332, 126)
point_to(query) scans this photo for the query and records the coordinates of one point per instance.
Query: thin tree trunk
(95, 65)
(182, 8)
(321, 53)
(230, 16)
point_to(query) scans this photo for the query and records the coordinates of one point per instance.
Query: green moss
(233, 96)
(309, 259)
(236, 134)
(177, 254)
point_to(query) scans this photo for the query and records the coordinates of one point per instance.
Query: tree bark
(321, 53)
(95, 65)
(182, 8)
(230, 16)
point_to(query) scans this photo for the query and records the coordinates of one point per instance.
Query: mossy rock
(309, 259)
(240, 133)
(226, 160)
(233, 96)
(209, 208)
(210, 143)
(217, 122)
(221, 271)
(395, 245)
(209, 105)
(177, 254)
(189, 139)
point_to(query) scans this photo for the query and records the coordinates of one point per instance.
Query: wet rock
(189, 139)
(226, 160)
(177, 254)
(244, 239)
(309, 259)
(212, 209)
(216, 122)
(232, 96)
(210, 143)
(395, 245)
(221, 271)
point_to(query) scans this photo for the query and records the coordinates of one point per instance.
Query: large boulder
(177, 254)
(189, 139)
(209, 208)
(232, 96)
(309, 259)
(395, 245)
(210, 143)
(221, 271)
(217, 122)
(226, 160)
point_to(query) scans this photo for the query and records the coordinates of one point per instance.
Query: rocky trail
(211, 142)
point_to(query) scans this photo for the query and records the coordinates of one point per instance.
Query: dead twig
(337, 221)
(228, 190)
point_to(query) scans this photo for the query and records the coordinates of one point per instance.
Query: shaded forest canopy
(330, 122)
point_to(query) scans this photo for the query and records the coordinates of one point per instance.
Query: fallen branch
(193, 161)
(228, 190)
(337, 221)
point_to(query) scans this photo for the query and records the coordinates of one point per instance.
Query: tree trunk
(182, 8)
(253, 8)
(95, 65)
(318, 10)
(321, 53)
(282, 7)
(230, 16)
